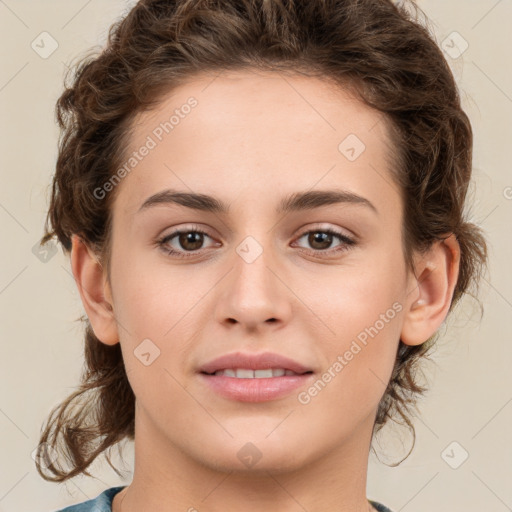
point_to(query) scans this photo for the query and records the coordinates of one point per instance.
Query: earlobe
(429, 300)
(94, 291)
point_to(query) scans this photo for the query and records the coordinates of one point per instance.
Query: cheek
(357, 366)
(151, 297)
(354, 297)
(361, 317)
(157, 309)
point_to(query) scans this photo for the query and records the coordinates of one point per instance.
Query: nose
(254, 294)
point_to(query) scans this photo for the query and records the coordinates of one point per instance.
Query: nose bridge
(253, 294)
(251, 270)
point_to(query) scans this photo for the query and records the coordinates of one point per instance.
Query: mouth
(252, 365)
(247, 373)
(254, 377)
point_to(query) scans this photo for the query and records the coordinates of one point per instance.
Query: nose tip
(253, 295)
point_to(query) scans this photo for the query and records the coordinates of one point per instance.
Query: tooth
(243, 373)
(263, 373)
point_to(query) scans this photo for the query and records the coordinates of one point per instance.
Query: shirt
(103, 503)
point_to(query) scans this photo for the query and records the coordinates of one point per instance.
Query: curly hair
(379, 49)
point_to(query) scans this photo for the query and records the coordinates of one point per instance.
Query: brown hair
(378, 49)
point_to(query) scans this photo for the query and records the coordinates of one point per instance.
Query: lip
(261, 361)
(254, 390)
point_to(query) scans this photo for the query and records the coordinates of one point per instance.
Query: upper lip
(261, 361)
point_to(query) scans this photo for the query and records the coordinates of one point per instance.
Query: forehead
(261, 133)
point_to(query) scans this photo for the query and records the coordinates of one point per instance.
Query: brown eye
(184, 243)
(321, 240)
(190, 240)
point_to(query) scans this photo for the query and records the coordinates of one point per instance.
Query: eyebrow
(295, 202)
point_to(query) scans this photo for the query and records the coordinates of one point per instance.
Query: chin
(244, 455)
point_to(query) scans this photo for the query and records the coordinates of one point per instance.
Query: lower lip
(255, 390)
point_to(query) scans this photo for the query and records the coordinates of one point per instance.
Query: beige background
(471, 391)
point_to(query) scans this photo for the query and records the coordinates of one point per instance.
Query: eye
(321, 241)
(188, 240)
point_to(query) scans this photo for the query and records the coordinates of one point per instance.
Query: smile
(245, 373)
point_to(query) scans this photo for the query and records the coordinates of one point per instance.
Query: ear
(94, 290)
(432, 290)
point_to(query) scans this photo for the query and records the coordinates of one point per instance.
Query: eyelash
(162, 242)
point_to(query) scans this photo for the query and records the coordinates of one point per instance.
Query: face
(256, 270)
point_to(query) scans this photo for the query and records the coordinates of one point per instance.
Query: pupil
(321, 238)
(195, 239)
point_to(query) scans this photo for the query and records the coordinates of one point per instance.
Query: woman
(263, 205)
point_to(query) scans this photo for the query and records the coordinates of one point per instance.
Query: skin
(254, 138)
